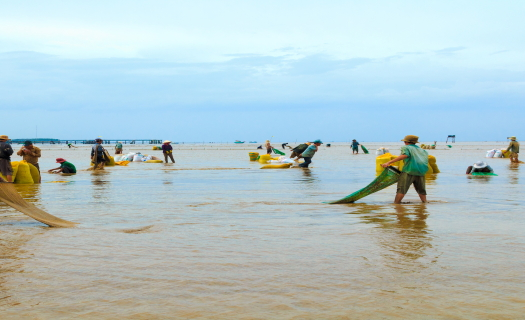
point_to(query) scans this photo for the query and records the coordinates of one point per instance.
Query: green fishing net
(388, 177)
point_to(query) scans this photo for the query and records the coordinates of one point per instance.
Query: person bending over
(309, 153)
(65, 167)
(479, 166)
(299, 149)
(118, 147)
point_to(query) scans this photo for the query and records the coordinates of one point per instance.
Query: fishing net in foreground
(11, 197)
(388, 177)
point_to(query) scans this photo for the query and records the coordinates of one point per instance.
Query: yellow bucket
(253, 156)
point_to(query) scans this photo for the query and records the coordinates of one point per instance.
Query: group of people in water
(305, 151)
(29, 153)
(413, 173)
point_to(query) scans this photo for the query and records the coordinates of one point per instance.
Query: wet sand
(182, 241)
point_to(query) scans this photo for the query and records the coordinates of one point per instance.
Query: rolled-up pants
(166, 155)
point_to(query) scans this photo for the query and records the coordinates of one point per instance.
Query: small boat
(237, 141)
(253, 141)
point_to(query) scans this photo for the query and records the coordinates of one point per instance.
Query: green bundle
(279, 152)
(483, 174)
(388, 177)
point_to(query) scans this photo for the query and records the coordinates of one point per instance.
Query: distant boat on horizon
(253, 141)
(237, 141)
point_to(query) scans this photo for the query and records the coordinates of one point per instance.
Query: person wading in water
(415, 166)
(167, 150)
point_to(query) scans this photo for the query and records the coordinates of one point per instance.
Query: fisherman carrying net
(415, 167)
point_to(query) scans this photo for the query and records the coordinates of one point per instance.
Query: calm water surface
(214, 237)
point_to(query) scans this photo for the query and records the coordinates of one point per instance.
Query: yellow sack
(35, 174)
(111, 162)
(399, 164)
(265, 158)
(122, 163)
(432, 163)
(384, 158)
(23, 175)
(277, 166)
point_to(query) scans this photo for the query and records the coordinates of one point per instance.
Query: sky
(250, 70)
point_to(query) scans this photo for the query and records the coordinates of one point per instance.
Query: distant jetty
(82, 141)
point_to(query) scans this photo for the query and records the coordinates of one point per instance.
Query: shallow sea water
(214, 237)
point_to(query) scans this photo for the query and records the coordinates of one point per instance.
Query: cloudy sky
(248, 70)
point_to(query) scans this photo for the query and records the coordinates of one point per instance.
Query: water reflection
(308, 179)
(430, 179)
(404, 232)
(101, 182)
(479, 179)
(514, 173)
(30, 192)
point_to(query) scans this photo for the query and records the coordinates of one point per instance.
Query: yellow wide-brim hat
(4, 137)
(410, 138)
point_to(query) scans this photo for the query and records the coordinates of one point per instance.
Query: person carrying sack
(98, 155)
(308, 154)
(299, 149)
(514, 148)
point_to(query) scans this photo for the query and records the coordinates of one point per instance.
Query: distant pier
(83, 141)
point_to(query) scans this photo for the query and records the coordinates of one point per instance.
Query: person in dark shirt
(5, 159)
(98, 156)
(167, 149)
(355, 147)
